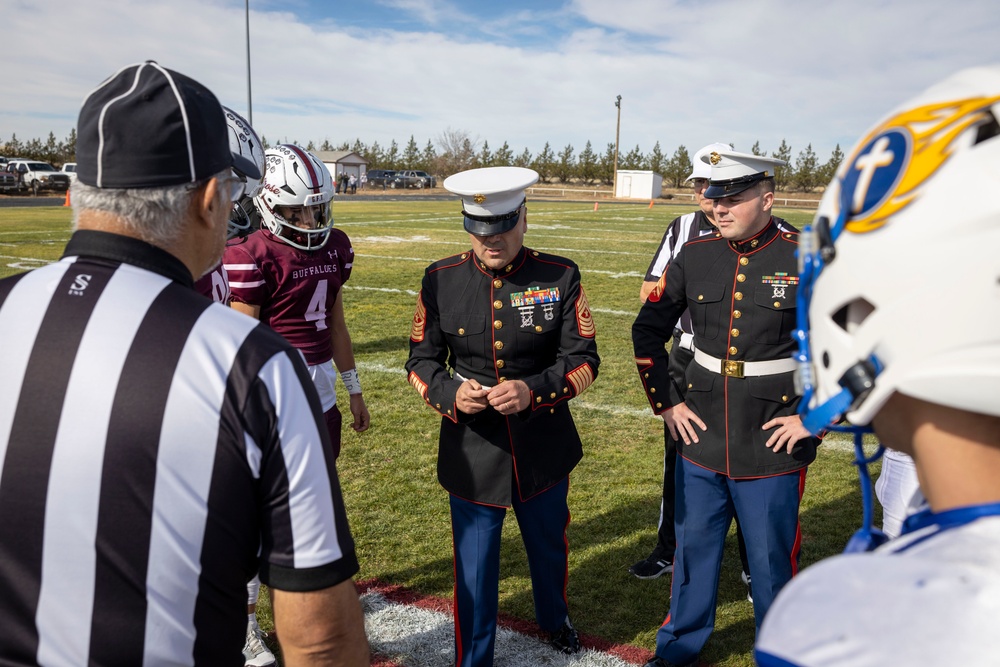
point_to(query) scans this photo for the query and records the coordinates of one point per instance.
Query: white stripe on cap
(100, 122)
(184, 115)
(135, 84)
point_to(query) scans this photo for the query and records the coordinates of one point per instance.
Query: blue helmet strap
(816, 249)
(867, 538)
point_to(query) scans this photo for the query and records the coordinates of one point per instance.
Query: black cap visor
(245, 167)
(733, 186)
(482, 225)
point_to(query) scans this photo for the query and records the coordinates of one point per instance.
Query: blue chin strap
(816, 249)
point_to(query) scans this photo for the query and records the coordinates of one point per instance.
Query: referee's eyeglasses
(237, 186)
(234, 185)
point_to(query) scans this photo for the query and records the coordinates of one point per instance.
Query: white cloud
(689, 72)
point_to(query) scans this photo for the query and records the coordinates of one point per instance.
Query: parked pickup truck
(409, 178)
(8, 180)
(70, 169)
(38, 176)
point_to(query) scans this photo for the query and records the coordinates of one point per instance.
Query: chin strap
(867, 538)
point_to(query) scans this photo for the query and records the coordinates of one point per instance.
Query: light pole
(249, 95)
(614, 187)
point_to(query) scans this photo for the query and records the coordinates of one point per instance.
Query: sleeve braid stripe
(419, 321)
(584, 318)
(580, 378)
(418, 384)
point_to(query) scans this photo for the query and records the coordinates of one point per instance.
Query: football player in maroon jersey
(242, 141)
(289, 274)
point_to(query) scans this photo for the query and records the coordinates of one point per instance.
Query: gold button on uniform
(438, 405)
(743, 262)
(733, 350)
(461, 331)
(777, 304)
(498, 304)
(497, 324)
(737, 314)
(784, 397)
(502, 380)
(735, 333)
(538, 328)
(690, 386)
(552, 395)
(740, 278)
(565, 390)
(464, 255)
(652, 390)
(552, 411)
(498, 283)
(701, 297)
(538, 399)
(498, 345)
(500, 363)
(659, 405)
(738, 296)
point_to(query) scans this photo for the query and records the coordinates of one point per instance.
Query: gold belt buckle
(733, 369)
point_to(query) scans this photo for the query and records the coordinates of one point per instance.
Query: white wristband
(351, 381)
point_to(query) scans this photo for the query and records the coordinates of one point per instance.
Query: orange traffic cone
(66, 203)
(595, 205)
(650, 203)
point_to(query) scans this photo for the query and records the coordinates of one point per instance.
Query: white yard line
(419, 637)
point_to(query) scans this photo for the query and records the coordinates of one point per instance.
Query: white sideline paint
(419, 637)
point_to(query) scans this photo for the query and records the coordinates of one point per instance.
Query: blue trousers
(768, 511)
(476, 532)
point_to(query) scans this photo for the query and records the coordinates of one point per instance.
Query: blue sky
(523, 72)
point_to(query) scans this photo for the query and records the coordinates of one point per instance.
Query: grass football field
(399, 513)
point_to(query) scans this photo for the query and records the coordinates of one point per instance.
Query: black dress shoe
(565, 639)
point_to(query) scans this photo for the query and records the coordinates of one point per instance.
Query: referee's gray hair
(154, 215)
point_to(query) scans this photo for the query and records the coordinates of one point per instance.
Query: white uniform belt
(684, 340)
(739, 369)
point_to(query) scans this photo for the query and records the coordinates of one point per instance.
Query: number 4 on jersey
(316, 312)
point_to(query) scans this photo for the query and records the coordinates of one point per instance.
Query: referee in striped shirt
(156, 449)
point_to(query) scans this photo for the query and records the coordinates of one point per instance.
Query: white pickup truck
(38, 176)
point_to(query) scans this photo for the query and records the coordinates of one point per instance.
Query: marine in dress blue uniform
(501, 340)
(745, 450)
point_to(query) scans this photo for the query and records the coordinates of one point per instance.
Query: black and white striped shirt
(151, 444)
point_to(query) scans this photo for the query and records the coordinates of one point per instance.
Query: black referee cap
(147, 126)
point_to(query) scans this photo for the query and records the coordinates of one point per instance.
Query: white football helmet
(243, 141)
(294, 179)
(900, 272)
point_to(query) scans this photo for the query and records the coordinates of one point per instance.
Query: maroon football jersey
(295, 289)
(214, 285)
